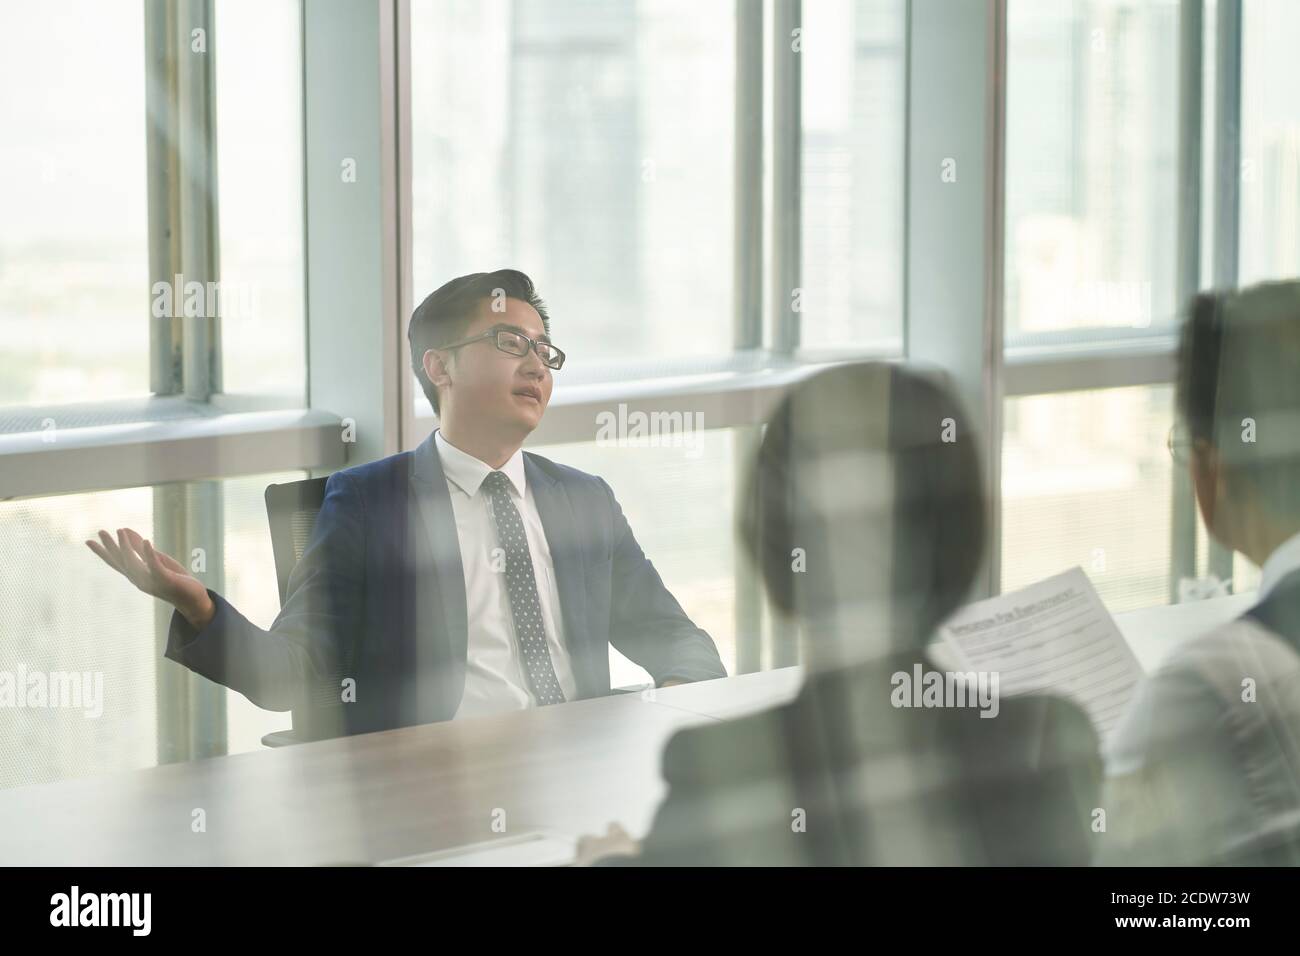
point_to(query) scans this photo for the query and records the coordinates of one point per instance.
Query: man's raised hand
(155, 573)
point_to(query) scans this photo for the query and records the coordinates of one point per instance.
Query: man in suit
(1205, 767)
(463, 578)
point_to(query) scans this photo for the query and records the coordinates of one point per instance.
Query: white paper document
(1054, 636)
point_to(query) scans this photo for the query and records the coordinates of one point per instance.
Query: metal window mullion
(302, 184)
(196, 100)
(787, 225)
(171, 687)
(403, 123)
(205, 525)
(1227, 191)
(747, 285)
(787, 186)
(351, 198)
(184, 352)
(954, 209)
(747, 296)
(1187, 235)
(163, 183)
(191, 711)
(202, 515)
(994, 359)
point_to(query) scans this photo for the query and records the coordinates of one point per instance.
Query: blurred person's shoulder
(1216, 718)
(1239, 684)
(1238, 650)
(1229, 694)
(732, 786)
(838, 719)
(749, 748)
(1027, 780)
(1034, 730)
(1254, 658)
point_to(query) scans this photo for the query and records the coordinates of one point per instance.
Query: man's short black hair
(1239, 360)
(447, 312)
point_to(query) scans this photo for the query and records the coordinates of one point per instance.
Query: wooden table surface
(572, 768)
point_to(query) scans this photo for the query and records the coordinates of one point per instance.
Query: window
(1087, 480)
(594, 144)
(1090, 258)
(104, 626)
(259, 164)
(74, 255)
(1091, 242)
(75, 291)
(1091, 167)
(854, 73)
(1270, 142)
(98, 626)
(588, 143)
(81, 93)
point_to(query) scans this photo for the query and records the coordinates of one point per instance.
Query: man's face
(491, 389)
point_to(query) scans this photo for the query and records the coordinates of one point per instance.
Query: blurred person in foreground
(1205, 766)
(854, 469)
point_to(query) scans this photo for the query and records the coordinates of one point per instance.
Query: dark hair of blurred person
(1239, 363)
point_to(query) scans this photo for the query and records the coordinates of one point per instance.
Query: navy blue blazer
(373, 631)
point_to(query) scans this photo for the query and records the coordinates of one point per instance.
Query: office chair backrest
(291, 511)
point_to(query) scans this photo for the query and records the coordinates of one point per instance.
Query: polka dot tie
(521, 586)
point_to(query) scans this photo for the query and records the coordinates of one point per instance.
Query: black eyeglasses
(513, 342)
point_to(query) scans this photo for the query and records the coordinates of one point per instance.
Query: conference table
(570, 769)
(566, 770)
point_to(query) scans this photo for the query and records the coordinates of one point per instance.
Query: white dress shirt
(1284, 559)
(494, 676)
(1198, 770)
